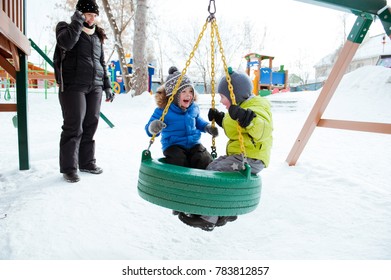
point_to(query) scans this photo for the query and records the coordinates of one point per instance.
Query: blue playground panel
(265, 75)
(115, 74)
(277, 78)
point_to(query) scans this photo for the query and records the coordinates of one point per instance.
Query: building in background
(374, 50)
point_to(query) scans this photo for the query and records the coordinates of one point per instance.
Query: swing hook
(211, 14)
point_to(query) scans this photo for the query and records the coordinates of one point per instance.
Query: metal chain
(212, 73)
(230, 87)
(171, 98)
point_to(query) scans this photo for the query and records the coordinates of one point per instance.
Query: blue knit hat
(241, 83)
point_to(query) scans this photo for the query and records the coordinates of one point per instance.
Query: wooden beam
(5, 44)
(32, 76)
(8, 67)
(323, 100)
(12, 33)
(8, 107)
(357, 126)
(359, 30)
(15, 56)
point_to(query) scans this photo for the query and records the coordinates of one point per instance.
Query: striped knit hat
(172, 79)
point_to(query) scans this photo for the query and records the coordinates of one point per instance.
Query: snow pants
(235, 163)
(80, 110)
(195, 157)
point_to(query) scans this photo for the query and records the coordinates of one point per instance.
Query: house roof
(371, 47)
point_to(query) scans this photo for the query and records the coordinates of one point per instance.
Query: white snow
(335, 204)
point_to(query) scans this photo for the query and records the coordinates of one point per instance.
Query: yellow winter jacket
(257, 135)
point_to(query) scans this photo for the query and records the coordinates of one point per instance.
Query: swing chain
(230, 88)
(212, 82)
(171, 98)
(211, 14)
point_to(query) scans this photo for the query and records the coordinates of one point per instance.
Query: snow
(335, 204)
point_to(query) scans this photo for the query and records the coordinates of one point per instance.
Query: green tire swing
(196, 191)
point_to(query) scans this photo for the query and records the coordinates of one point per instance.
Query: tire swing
(196, 191)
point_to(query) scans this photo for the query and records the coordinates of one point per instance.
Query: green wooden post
(21, 97)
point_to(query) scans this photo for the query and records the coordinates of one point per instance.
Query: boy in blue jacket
(182, 126)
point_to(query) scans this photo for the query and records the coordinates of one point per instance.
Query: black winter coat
(84, 62)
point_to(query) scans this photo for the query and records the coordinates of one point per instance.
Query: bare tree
(140, 65)
(118, 32)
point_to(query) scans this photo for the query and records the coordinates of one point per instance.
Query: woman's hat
(87, 6)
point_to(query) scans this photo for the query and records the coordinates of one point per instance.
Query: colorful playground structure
(265, 80)
(115, 72)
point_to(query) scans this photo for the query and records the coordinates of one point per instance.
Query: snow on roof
(372, 47)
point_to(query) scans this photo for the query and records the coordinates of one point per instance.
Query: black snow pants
(80, 110)
(196, 157)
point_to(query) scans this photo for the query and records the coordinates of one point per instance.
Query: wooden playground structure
(15, 47)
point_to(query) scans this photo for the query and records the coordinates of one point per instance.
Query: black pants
(80, 110)
(196, 157)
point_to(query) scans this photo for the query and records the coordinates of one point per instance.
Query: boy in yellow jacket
(253, 113)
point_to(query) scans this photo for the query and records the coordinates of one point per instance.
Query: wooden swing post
(366, 11)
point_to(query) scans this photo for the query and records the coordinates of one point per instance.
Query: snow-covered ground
(335, 204)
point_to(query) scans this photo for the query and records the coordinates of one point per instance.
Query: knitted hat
(87, 6)
(172, 79)
(241, 83)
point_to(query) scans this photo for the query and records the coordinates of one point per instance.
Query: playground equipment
(366, 12)
(15, 47)
(115, 73)
(193, 190)
(265, 80)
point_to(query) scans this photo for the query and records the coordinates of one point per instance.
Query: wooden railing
(14, 10)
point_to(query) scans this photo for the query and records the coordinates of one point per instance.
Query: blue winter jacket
(183, 127)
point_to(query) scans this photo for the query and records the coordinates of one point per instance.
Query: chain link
(230, 87)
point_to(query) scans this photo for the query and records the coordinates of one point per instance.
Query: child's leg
(176, 155)
(199, 157)
(226, 163)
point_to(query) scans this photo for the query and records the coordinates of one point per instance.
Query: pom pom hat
(242, 86)
(172, 79)
(87, 6)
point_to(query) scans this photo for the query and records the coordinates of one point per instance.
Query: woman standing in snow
(81, 73)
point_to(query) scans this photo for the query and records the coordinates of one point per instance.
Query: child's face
(186, 97)
(225, 101)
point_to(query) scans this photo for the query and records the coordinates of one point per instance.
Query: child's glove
(79, 16)
(216, 115)
(156, 126)
(212, 130)
(243, 116)
(109, 95)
